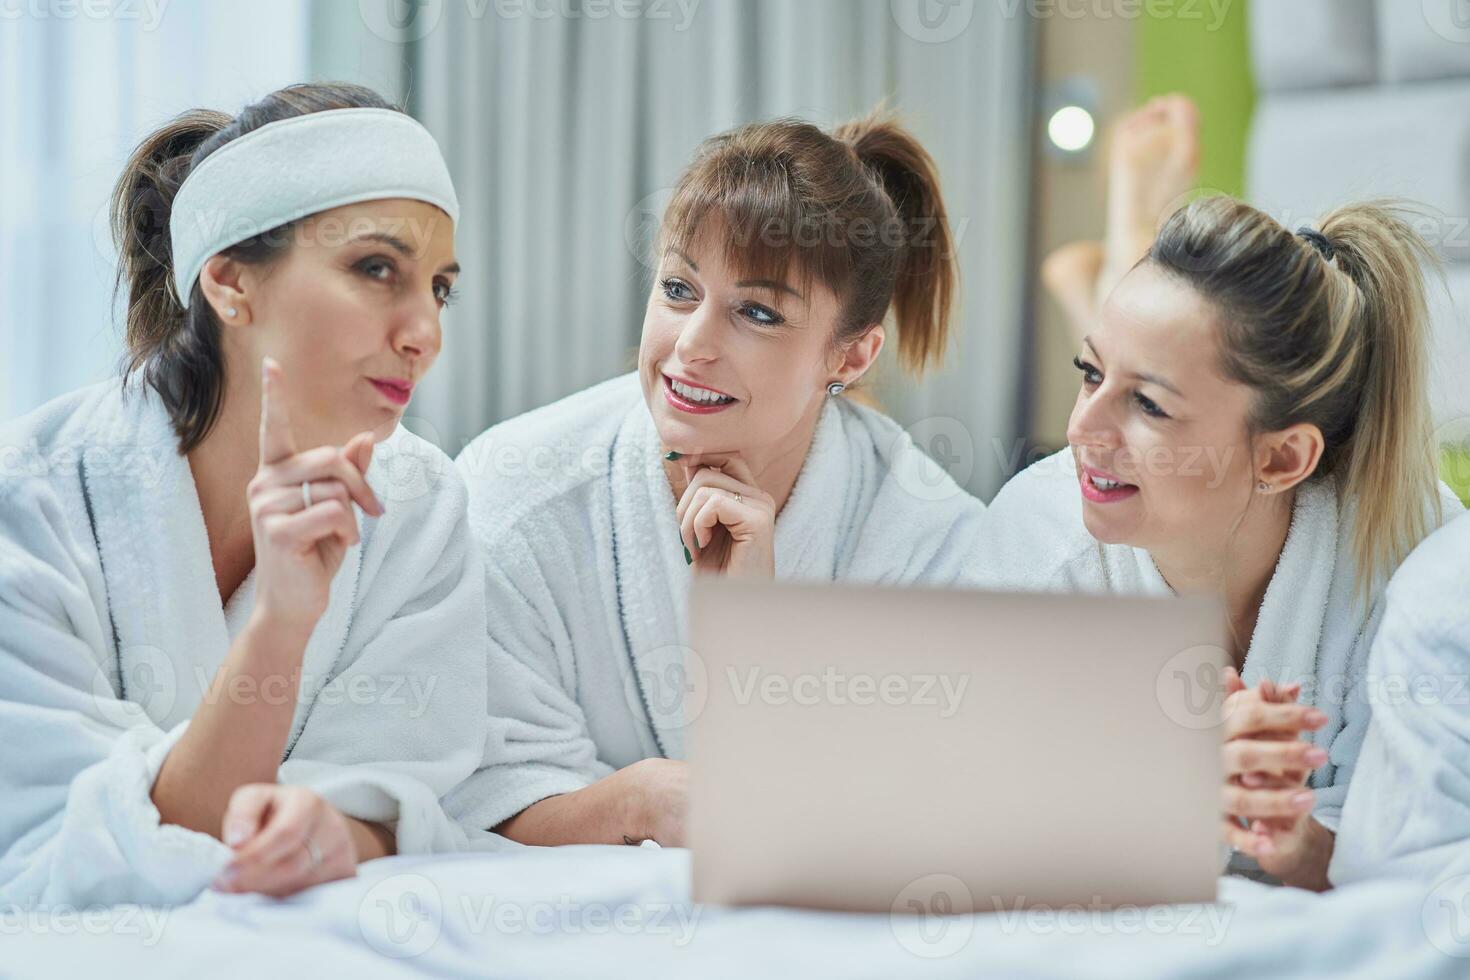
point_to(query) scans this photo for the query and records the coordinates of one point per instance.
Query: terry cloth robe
(587, 584)
(1408, 811)
(111, 629)
(1312, 627)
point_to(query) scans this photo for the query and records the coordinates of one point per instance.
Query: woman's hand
(1267, 805)
(299, 548)
(285, 838)
(727, 522)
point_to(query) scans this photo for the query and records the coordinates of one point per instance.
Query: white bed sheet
(623, 912)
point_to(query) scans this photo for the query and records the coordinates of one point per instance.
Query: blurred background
(565, 122)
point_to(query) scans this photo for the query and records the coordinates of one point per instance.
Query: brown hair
(857, 210)
(1329, 328)
(177, 350)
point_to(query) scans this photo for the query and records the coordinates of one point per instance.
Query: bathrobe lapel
(1131, 571)
(169, 628)
(1288, 631)
(651, 577)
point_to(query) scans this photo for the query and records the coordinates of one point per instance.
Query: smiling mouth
(1103, 489)
(692, 398)
(1102, 484)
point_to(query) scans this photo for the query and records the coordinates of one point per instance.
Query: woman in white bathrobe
(731, 450)
(1252, 422)
(210, 665)
(1408, 810)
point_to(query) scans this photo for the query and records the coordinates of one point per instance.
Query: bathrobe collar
(652, 578)
(1288, 631)
(169, 628)
(1283, 647)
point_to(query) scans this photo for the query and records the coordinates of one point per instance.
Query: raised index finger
(276, 440)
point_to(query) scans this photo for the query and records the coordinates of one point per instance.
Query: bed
(624, 912)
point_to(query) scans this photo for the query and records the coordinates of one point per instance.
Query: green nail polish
(688, 559)
(671, 455)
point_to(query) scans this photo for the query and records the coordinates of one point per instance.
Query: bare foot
(1153, 162)
(1070, 274)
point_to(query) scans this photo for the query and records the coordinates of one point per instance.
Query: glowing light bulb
(1070, 128)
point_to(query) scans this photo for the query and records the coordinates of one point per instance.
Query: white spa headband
(294, 167)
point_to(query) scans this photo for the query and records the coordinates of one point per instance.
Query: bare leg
(1153, 161)
(1152, 164)
(1070, 274)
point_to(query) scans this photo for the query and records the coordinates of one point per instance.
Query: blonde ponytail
(1328, 327)
(1389, 462)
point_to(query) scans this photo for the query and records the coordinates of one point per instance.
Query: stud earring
(1263, 487)
(232, 312)
(836, 388)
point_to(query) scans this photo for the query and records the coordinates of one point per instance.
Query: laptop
(887, 749)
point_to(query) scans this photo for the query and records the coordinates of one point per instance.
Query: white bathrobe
(1408, 810)
(1313, 627)
(111, 629)
(587, 582)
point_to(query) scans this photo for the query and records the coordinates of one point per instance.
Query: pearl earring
(231, 312)
(836, 388)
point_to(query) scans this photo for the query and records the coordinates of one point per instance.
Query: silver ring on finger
(313, 852)
(306, 494)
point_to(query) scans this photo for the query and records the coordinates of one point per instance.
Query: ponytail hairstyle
(1329, 327)
(857, 210)
(178, 351)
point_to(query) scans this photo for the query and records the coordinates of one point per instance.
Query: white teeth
(1102, 484)
(701, 395)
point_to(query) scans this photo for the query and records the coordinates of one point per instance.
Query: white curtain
(80, 85)
(566, 121)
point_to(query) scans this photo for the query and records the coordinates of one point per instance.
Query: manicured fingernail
(1316, 756)
(1302, 800)
(235, 834)
(671, 455)
(227, 877)
(688, 558)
